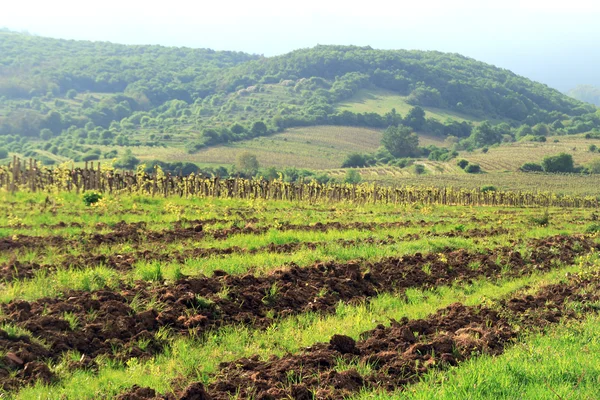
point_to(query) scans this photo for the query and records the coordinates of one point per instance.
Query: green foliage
(562, 162)
(593, 166)
(488, 188)
(90, 198)
(352, 176)
(531, 167)
(127, 161)
(356, 160)
(593, 228)
(485, 134)
(419, 169)
(462, 163)
(247, 163)
(473, 169)
(3, 152)
(73, 93)
(542, 220)
(593, 148)
(400, 141)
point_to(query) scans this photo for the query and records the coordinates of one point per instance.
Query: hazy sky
(555, 42)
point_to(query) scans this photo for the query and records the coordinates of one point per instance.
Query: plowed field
(139, 298)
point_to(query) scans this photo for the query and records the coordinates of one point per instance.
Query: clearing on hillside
(382, 101)
(316, 147)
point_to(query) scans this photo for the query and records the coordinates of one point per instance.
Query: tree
(415, 118)
(127, 161)
(352, 176)
(53, 121)
(354, 160)
(400, 141)
(562, 162)
(259, 129)
(3, 153)
(246, 162)
(485, 134)
(71, 94)
(46, 134)
(541, 130)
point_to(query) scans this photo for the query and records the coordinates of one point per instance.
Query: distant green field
(382, 101)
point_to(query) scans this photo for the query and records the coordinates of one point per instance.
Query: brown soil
(15, 269)
(398, 354)
(107, 323)
(136, 233)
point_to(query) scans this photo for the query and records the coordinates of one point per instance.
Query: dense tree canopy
(400, 141)
(68, 97)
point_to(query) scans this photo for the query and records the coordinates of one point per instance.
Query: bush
(594, 167)
(3, 153)
(531, 167)
(90, 157)
(473, 169)
(352, 176)
(593, 148)
(127, 161)
(488, 188)
(90, 198)
(462, 163)
(593, 228)
(355, 160)
(419, 169)
(544, 220)
(562, 162)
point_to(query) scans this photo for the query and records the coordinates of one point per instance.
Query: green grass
(382, 101)
(197, 359)
(188, 359)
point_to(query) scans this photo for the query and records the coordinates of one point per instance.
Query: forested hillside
(68, 99)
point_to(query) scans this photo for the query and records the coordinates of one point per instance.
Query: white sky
(533, 38)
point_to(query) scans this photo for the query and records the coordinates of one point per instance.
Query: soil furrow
(14, 270)
(135, 233)
(122, 325)
(394, 356)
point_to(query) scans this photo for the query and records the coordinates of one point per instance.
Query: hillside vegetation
(587, 93)
(75, 100)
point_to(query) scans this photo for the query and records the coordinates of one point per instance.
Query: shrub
(593, 228)
(488, 188)
(352, 176)
(462, 163)
(531, 167)
(593, 148)
(90, 157)
(90, 198)
(3, 153)
(355, 160)
(544, 220)
(562, 162)
(594, 167)
(419, 169)
(473, 169)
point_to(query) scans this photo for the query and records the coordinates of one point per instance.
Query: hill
(76, 100)
(587, 93)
